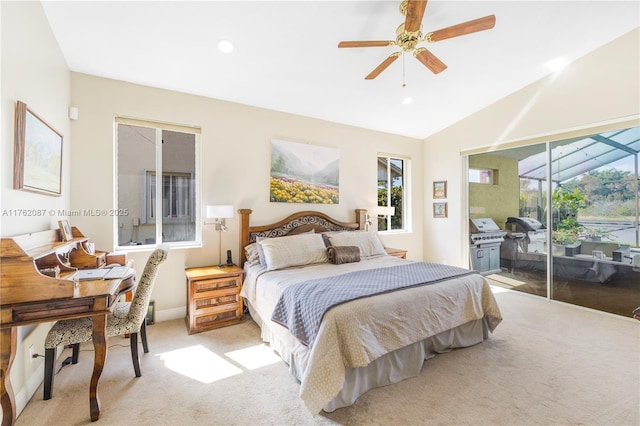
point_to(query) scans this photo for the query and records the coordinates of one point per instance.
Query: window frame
(195, 189)
(406, 193)
(149, 195)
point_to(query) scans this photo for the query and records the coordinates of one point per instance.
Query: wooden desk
(92, 298)
(28, 296)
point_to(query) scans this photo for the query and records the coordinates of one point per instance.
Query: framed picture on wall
(37, 161)
(440, 189)
(439, 210)
(303, 173)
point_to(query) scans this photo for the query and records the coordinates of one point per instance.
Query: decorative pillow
(295, 250)
(368, 242)
(343, 254)
(251, 252)
(325, 237)
(261, 258)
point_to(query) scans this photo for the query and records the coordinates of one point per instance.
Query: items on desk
(80, 258)
(90, 247)
(51, 272)
(116, 257)
(91, 274)
(107, 273)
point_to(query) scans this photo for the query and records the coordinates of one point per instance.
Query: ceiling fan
(409, 35)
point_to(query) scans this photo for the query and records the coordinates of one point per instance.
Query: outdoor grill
(486, 238)
(535, 232)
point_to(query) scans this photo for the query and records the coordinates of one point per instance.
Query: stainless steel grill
(536, 233)
(486, 238)
(485, 231)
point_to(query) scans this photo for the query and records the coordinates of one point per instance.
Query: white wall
(33, 71)
(236, 150)
(603, 85)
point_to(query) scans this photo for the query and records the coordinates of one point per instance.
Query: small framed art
(65, 230)
(440, 189)
(439, 210)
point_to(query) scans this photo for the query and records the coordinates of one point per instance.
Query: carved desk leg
(8, 342)
(100, 347)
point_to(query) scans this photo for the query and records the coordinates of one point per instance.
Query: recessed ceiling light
(407, 100)
(557, 64)
(225, 46)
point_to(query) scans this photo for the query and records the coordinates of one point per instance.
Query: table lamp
(219, 214)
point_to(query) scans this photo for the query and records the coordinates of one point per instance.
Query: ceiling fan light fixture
(407, 100)
(225, 46)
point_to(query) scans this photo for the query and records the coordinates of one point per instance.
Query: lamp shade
(219, 212)
(386, 211)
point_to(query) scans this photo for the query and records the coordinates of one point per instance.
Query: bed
(363, 340)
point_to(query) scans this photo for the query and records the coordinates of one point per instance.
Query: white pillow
(294, 250)
(368, 242)
(261, 259)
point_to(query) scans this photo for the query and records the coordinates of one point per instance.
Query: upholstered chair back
(140, 301)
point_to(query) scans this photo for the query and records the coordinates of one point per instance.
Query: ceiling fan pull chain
(403, 72)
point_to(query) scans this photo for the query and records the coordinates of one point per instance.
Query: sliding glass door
(569, 212)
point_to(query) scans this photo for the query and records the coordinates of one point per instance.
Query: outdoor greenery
(608, 193)
(396, 201)
(566, 205)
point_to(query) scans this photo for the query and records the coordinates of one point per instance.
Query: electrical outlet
(32, 355)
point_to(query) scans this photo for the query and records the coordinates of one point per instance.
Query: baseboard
(34, 381)
(171, 314)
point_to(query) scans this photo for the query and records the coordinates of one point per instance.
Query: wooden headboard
(294, 224)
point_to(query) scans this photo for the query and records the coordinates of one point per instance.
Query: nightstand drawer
(402, 254)
(203, 286)
(216, 319)
(215, 299)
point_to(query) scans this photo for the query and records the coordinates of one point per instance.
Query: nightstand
(213, 297)
(396, 252)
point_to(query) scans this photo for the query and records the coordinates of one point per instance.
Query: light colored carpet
(546, 364)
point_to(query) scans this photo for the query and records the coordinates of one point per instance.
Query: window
(486, 176)
(177, 199)
(392, 192)
(160, 210)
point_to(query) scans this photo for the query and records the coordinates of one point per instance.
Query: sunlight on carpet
(254, 356)
(199, 363)
(505, 280)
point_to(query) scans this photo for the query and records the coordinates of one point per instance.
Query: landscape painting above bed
(352, 338)
(303, 173)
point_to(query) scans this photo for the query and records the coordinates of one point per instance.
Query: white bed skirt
(391, 368)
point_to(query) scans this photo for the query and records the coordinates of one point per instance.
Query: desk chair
(127, 318)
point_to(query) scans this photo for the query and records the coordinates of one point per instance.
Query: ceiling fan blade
(373, 74)
(429, 60)
(414, 14)
(468, 27)
(372, 43)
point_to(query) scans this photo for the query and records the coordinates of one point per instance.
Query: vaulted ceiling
(286, 56)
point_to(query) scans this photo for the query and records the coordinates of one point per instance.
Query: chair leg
(75, 353)
(49, 358)
(143, 335)
(133, 340)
